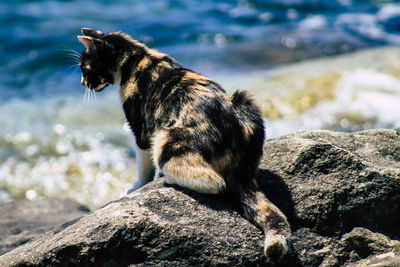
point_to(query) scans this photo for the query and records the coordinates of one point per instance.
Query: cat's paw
(135, 186)
(276, 246)
(130, 190)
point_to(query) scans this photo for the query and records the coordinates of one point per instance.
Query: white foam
(313, 22)
(370, 95)
(369, 25)
(388, 11)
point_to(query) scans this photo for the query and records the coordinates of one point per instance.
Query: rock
(366, 243)
(328, 183)
(20, 221)
(340, 191)
(156, 225)
(381, 260)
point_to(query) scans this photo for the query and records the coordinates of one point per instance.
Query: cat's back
(199, 116)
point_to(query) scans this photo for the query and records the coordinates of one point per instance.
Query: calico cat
(186, 127)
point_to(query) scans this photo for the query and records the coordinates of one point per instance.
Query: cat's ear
(92, 33)
(95, 44)
(89, 42)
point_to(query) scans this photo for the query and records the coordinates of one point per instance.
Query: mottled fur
(186, 127)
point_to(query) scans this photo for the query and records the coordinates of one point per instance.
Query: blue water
(207, 36)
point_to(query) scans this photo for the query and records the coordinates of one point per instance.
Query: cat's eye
(85, 69)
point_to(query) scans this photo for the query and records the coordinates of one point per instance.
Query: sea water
(55, 141)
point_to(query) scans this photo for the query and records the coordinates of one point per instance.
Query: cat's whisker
(73, 57)
(74, 60)
(94, 99)
(71, 51)
(74, 67)
(85, 96)
(91, 99)
(72, 54)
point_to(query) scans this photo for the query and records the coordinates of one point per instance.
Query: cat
(187, 128)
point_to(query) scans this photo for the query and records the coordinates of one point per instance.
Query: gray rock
(340, 191)
(22, 220)
(389, 259)
(328, 183)
(156, 225)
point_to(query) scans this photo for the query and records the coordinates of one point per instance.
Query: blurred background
(329, 64)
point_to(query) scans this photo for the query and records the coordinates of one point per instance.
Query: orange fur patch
(193, 172)
(156, 54)
(189, 75)
(248, 129)
(265, 208)
(144, 63)
(159, 139)
(128, 89)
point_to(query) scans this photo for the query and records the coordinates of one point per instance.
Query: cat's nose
(83, 81)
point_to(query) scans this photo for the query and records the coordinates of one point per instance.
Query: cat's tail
(255, 207)
(246, 107)
(245, 192)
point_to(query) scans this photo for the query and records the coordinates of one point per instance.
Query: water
(52, 144)
(209, 36)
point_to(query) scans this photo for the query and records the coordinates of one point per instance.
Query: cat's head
(98, 62)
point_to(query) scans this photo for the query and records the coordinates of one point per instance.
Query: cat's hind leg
(145, 167)
(182, 166)
(192, 172)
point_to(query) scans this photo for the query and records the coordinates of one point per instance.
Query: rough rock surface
(340, 191)
(155, 225)
(328, 183)
(20, 221)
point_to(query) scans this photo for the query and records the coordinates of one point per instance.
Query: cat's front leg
(145, 168)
